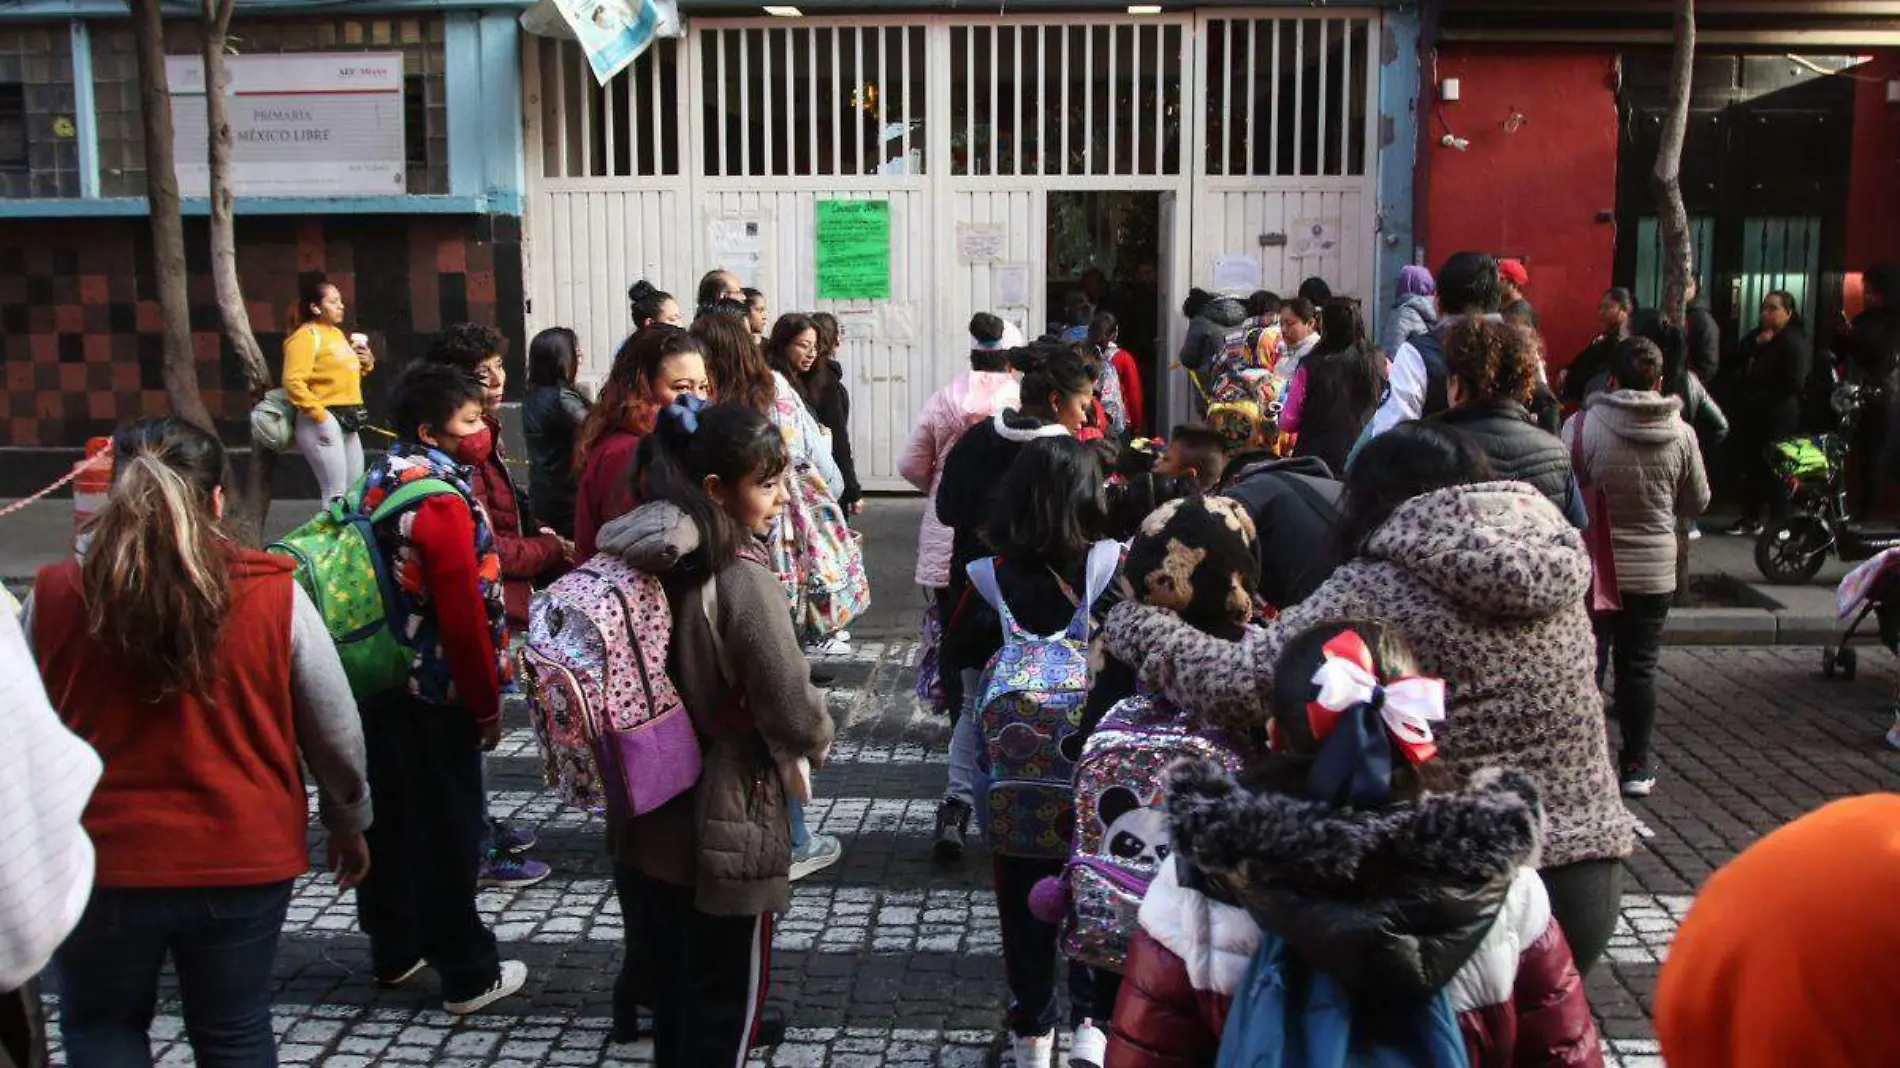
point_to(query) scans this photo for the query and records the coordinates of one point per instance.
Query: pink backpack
(614, 735)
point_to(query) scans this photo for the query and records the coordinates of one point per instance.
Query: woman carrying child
(1350, 892)
(703, 874)
(1048, 515)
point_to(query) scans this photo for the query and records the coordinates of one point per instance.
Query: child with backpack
(426, 738)
(1032, 613)
(702, 875)
(1348, 901)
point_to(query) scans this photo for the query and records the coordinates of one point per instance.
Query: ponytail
(156, 573)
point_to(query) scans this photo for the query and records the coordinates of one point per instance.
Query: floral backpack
(817, 558)
(1030, 716)
(614, 735)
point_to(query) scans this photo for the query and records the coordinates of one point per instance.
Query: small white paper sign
(1009, 285)
(1236, 273)
(857, 326)
(1314, 237)
(981, 242)
(899, 322)
(737, 244)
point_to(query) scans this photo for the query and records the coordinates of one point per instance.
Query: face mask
(475, 449)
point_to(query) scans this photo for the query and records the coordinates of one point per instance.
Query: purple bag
(614, 735)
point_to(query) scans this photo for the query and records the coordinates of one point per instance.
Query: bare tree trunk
(253, 505)
(1666, 182)
(168, 225)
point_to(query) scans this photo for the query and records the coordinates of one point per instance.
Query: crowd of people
(1387, 584)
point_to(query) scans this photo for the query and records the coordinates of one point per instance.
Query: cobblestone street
(888, 959)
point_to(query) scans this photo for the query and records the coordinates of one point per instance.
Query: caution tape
(61, 483)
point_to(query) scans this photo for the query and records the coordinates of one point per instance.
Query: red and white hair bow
(1345, 680)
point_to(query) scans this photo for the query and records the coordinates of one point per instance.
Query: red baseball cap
(1513, 271)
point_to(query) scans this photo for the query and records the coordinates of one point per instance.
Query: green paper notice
(854, 249)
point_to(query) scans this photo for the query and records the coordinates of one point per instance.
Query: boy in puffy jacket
(1335, 891)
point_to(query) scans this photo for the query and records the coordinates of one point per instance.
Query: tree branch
(1666, 181)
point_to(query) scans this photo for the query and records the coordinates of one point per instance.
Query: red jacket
(1124, 363)
(526, 554)
(1519, 999)
(196, 792)
(605, 491)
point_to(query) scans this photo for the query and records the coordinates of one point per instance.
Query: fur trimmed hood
(1390, 899)
(1013, 425)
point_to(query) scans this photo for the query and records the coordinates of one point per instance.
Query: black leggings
(1585, 898)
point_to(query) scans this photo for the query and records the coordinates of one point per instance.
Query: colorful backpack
(817, 558)
(343, 569)
(614, 735)
(1031, 707)
(1121, 826)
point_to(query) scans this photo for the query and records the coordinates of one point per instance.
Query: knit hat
(1514, 272)
(1196, 557)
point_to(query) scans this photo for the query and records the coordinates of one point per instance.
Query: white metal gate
(714, 149)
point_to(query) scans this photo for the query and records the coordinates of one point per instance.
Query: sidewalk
(1787, 615)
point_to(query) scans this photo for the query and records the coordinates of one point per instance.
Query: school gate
(1217, 149)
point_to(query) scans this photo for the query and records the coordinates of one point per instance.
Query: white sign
(1009, 286)
(313, 123)
(736, 243)
(857, 326)
(1240, 274)
(899, 322)
(981, 242)
(1314, 237)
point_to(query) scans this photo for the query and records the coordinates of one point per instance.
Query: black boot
(770, 1030)
(953, 826)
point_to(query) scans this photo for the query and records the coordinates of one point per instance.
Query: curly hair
(1492, 360)
(466, 345)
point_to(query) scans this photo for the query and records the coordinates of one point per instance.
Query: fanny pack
(350, 418)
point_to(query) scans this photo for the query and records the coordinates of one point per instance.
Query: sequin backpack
(1030, 715)
(614, 735)
(1121, 828)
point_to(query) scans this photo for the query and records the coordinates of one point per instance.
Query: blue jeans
(795, 815)
(222, 942)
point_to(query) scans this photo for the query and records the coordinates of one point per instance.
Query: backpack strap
(406, 496)
(982, 574)
(1105, 558)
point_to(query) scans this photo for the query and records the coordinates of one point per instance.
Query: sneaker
(1893, 732)
(769, 1030)
(514, 840)
(836, 645)
(1036, 1052)
(1747, 528)
(1695, 532)
(511, 873)
(1087, 1046)
(1638, 779)
(514, 975)
(819, 852)
(391, 982)
(953, 828)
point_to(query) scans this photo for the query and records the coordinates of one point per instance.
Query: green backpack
(342, 568)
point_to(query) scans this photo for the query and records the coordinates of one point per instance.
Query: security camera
(1450, 141)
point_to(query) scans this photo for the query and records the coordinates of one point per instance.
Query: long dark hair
(156, 575)
(309, 295)
(691, 441)
(1341, 326)
(809, 385)
(1400, 464)
(830, 336)
(553, 357)
(1050, 506)
(626, 400)
(644, 302)
(737, 368)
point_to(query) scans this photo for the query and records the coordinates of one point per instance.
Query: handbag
(350, 418)
(274, 422)
(1605, 596)
(818, 559)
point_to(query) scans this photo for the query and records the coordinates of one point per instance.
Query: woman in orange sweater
(323, 377)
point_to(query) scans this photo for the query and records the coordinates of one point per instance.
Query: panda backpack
(1121, 828)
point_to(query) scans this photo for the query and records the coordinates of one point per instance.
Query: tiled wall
(80, 343)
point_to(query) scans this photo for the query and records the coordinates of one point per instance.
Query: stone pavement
(888, 959)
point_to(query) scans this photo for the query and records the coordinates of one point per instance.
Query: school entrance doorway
(1105, 251)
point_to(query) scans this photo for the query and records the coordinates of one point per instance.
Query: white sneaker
(1088, 1046)
(1893, 732)
(1037, 1052)
(514, 975)
(835, 645)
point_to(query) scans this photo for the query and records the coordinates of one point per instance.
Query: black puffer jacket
(550, 417)
(1207, 332)
(1519, 450)
(830, 404)
(1294, 505)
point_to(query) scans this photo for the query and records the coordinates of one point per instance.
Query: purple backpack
(1121, 828)
(614, 735)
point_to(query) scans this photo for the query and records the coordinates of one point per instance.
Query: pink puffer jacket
(970, 398)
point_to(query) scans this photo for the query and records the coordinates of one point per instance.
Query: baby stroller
(1873, 589)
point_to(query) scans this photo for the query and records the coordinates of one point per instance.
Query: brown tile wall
(80, 345)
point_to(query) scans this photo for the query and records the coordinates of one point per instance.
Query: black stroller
(1872, 589)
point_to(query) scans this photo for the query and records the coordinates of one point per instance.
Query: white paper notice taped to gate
(1009, 286)
(857, 326)
(1313, 237)
(899, 325)
(736, 243)
(1239, 274)
(981, 242)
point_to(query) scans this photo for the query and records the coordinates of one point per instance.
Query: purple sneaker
(512, 873)
(514, 840)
